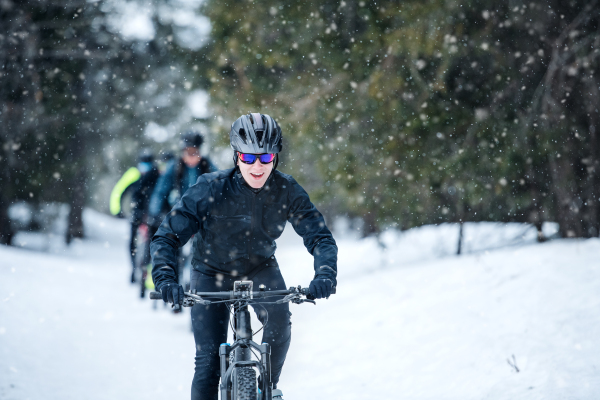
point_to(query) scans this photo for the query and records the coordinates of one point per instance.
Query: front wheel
(245, 379)
(143, 279)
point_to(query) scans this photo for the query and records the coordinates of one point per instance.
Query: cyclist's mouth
(257, 176)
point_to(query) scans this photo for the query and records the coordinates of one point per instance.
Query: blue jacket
(171, 185)
(235, 227)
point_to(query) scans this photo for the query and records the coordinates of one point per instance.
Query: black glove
(172, 293)
(321, 288)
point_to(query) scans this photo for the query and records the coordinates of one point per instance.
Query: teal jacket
(173, 183)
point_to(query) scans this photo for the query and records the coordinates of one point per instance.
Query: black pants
(210, 325)
(133, 242)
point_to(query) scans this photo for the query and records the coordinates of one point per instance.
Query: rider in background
(236, 215)
(165, 158)
(178, 175)
(140, 180)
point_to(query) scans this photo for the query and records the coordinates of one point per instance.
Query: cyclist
(165, 158)
(140, 180)
(179, 174)
(236, 215)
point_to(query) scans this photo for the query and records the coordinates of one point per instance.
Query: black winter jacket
(235, 226)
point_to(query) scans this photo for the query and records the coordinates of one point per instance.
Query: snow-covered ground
(410, 320)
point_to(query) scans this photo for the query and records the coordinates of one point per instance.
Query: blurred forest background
(394, 113)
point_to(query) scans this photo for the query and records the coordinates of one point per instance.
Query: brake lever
(195, 299)
(298, 300)
(289, 297)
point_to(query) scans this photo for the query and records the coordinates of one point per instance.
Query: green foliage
(417, 112)
(402, 113)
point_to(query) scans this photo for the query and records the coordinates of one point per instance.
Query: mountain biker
(165, 158)
(140, 180)
(236, 215)
(179, 174)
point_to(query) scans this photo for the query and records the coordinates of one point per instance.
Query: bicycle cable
(253, 304)
(255, 355)
(266, 322)
(230, 319)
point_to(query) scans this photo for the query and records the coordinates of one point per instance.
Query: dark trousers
(133, 243)
(210, 325)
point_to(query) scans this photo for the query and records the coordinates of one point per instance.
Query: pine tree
(423, 112)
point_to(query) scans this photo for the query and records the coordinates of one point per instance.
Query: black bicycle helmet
(166, 155)
(255, 134)
(191, 139)
(146, 155)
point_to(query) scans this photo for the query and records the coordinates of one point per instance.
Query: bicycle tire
(143, 278)
(140, 268)
(246, 383)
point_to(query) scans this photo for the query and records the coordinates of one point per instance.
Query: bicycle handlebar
(233, 295)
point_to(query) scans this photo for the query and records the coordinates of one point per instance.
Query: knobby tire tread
(246, 384)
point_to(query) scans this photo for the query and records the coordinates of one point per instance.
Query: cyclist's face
(191, 156)
(255, 174)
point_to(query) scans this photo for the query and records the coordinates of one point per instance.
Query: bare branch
(513, 363)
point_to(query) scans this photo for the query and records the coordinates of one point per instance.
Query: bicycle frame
(243, 342)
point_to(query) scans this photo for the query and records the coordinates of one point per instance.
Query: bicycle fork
(242, 346)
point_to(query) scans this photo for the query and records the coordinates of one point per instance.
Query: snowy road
(407, 322)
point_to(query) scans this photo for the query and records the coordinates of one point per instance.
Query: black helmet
(191, 139)
(255, 134)
(166, 155)
(146, 155)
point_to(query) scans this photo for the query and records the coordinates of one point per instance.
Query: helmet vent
(243, 135)
(259, 137)
(257, 121)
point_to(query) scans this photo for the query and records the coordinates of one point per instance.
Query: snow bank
(410, 319)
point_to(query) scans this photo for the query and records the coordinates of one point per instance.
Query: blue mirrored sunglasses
(251, 158)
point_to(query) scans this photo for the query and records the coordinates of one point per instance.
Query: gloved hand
(321, 288)
(172, 293)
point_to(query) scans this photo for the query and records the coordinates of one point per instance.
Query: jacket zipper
(251, 226)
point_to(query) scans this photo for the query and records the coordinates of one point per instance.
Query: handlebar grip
(306, 291)
(156, 296)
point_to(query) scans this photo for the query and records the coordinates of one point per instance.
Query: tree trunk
(568, 203)
(460, 238)
(370, 223)
(593, 166)
(77, 155)
(6, 232)
(77, 202)
(78, 187)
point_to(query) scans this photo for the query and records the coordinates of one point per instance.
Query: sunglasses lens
(267, 158)
(251, 158)
(247, 158)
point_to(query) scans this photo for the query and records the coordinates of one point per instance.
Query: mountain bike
(238, 368)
